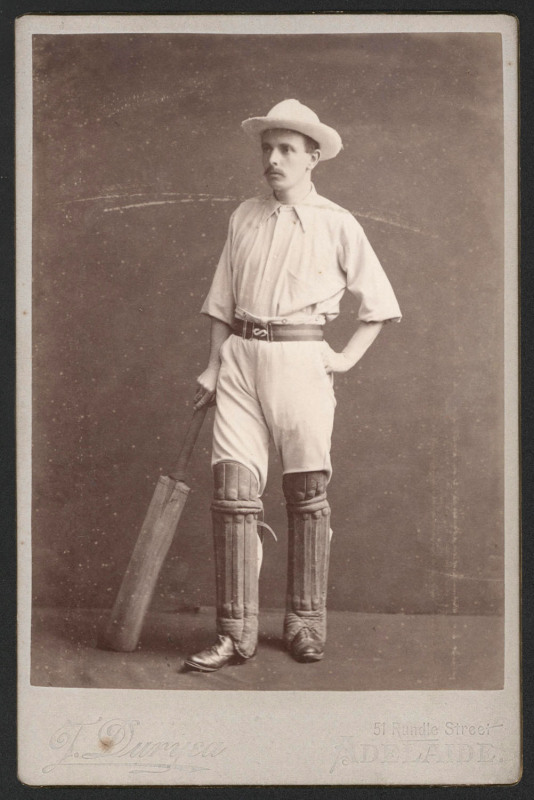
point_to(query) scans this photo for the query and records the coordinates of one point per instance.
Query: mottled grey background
(138, 163)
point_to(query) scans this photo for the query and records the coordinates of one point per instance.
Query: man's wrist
(350, 360)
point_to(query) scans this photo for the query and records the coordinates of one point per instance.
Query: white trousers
(277, 390)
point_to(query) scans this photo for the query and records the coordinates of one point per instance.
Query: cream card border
(268, 737)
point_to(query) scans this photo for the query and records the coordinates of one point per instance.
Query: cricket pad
(235, 509)
(308, 515)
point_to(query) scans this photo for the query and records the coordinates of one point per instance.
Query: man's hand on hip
(362, 338)
(335, 362)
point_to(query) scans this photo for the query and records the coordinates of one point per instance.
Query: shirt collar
(302, 208)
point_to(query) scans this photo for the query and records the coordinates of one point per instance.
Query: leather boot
(212, 658)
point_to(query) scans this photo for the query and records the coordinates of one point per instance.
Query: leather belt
(277, 332)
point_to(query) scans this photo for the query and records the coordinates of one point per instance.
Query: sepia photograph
(270, 283)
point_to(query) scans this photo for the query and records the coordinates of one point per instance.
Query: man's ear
(314, 158)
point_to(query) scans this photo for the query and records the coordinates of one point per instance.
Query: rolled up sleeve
(366, 279)
(220, 301)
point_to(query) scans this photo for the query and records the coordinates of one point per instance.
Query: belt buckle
(244, 329)
(261, 331)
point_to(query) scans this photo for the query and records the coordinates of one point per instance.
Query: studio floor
(365, 652)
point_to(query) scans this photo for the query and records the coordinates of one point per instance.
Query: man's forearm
(219, 333)
(207, 381)
(361, 340)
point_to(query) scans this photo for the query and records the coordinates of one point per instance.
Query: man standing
(287, 261)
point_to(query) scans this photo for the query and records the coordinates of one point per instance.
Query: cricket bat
(123, 627)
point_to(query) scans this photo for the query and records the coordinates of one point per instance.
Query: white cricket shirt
(292, 263)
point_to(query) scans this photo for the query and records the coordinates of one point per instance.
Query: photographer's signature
(117, 742)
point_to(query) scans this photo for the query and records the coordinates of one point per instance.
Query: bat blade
(123, 627)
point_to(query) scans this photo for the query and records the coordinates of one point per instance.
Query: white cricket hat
(294, 116)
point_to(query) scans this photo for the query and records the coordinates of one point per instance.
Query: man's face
(286, 163)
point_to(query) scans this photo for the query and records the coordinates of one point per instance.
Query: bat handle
(191, 436)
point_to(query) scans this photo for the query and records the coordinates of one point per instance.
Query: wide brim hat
(295, 116)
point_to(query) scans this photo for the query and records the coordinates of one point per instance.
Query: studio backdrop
(139, 161)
